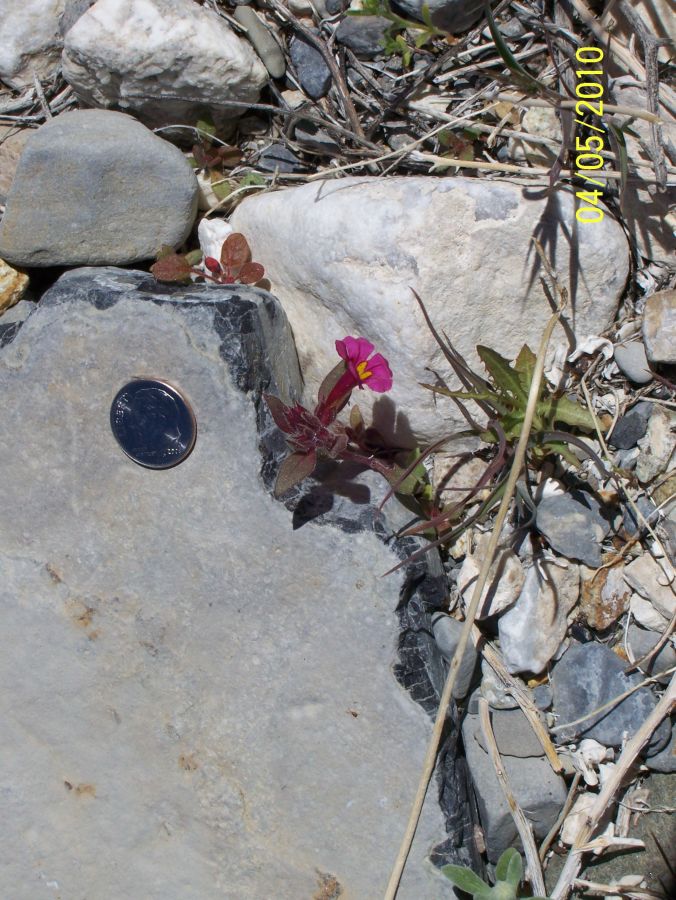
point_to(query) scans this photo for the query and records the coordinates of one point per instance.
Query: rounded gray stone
(633, 362)
(114, 190)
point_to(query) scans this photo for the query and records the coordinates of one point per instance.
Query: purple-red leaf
(293, 470)
(171, 267)
(250, 273)
(279, 412)
(235, 253)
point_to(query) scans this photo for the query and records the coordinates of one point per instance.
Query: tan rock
(13, 285)
(604, 596)
(659, 327)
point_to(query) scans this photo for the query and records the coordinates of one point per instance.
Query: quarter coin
(153, 423)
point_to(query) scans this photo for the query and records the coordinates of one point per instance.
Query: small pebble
(314, 75)
(447, 632)
(633, 363)
(279, 158)
(631, 427)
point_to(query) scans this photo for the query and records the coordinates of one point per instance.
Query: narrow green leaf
(465, 879)
(524, 364)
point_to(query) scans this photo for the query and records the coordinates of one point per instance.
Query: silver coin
(153, 423)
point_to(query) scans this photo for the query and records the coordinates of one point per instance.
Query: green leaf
(252, 178)
(465, 879)
(194, 258)
(221, 189)
(206, 125)
(561, 409)
(524, 364)
(504, 376)
(509, 867)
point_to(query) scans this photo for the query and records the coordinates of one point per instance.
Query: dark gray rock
(631, 427)
(333, 7)
(641, 641)
(630, 520)
(586, 677)
(451, 15)
(313, 138)
(204, 665)
(447, 635)
(314, 76)
(542, 696)
(364, 35)
(539, 791)
(115, 193)
(573, 525)
(279, 158)
(665, 760)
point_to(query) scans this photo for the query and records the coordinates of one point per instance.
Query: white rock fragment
(658, 445)
(211, 233)
(646, 614)
(654, 580)
(168, 61)
(531, 631)
(504, 583)
(30, 40)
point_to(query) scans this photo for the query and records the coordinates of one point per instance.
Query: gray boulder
(115, 193)
(199, 698)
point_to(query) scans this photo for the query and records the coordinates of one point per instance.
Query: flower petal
(354, 350)
(380, 379)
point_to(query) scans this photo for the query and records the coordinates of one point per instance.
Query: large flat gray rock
(198, 700)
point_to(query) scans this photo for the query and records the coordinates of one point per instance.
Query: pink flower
(372, 371)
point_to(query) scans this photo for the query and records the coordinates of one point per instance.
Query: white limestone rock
(30, 40)
(532, 630)
(167, 61)
(343, 255)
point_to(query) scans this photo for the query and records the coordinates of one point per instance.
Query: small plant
(234, 267)
(313, 435)
(508, 874)
(502, 398)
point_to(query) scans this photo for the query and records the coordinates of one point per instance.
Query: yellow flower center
(361, 370)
